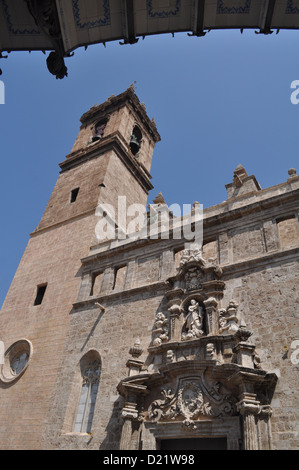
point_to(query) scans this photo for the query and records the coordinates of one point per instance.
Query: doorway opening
(215, 443)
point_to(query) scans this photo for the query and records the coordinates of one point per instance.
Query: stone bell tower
(110, 157)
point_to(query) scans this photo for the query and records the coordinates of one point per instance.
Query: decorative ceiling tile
(163, 9)
(91, 14)
(232, 7)
(292, 7)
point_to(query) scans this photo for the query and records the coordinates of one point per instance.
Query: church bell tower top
(128, 97)
(121, 120)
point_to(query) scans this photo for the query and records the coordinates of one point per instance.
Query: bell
(134, 144)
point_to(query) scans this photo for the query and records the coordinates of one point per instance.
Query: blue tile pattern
(105, 20)
(9, 21)
(152, 13)
(290, 9)
(233, 10)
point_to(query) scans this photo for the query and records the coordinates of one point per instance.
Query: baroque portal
(201, 374)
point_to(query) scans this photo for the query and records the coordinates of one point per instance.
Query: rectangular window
(119, 277)
(177, 257)
(97, 280)
(40, 294)
(74, 194)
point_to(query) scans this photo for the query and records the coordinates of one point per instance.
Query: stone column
(249, 408)
(174, 307)
(128, 416)
(264, 424)
(212, 318)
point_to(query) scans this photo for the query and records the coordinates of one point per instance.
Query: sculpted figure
(193, 325)
(169, 356)
(228, 320)
(161, 329)
(210, 351)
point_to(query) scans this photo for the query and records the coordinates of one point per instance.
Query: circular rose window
(16, 360)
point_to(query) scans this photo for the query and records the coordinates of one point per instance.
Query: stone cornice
(255, 207)
(114, 102)
(162, 286)
(214, 221)
(116, 143)
(90, 302)
(260, 261)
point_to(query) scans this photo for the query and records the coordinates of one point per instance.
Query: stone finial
(239, 174)
(195, 206)
(292, 173)
(136, 349)
(242, 183)
(159, 199)
(132, 86)
(228, 320)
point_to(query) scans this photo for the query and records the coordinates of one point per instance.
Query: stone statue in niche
(193, 325)
(161, 329)
(228, 320)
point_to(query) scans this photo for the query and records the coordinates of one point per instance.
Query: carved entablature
(192, 400)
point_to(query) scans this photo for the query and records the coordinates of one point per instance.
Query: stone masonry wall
(111, 334)
(266, 289)
(269, 304)
(52, 257)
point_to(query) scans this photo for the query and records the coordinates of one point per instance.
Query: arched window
(135, 141)
(99, 130)
(90, 366)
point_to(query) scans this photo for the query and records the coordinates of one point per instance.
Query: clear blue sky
(218, 101)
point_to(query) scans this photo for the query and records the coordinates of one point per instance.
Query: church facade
(121, 341)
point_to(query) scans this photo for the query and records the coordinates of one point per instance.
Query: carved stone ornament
(161, 329)
(191, 256)
(228, 320)
(136, 350)
(193, 278)
(192, 400)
